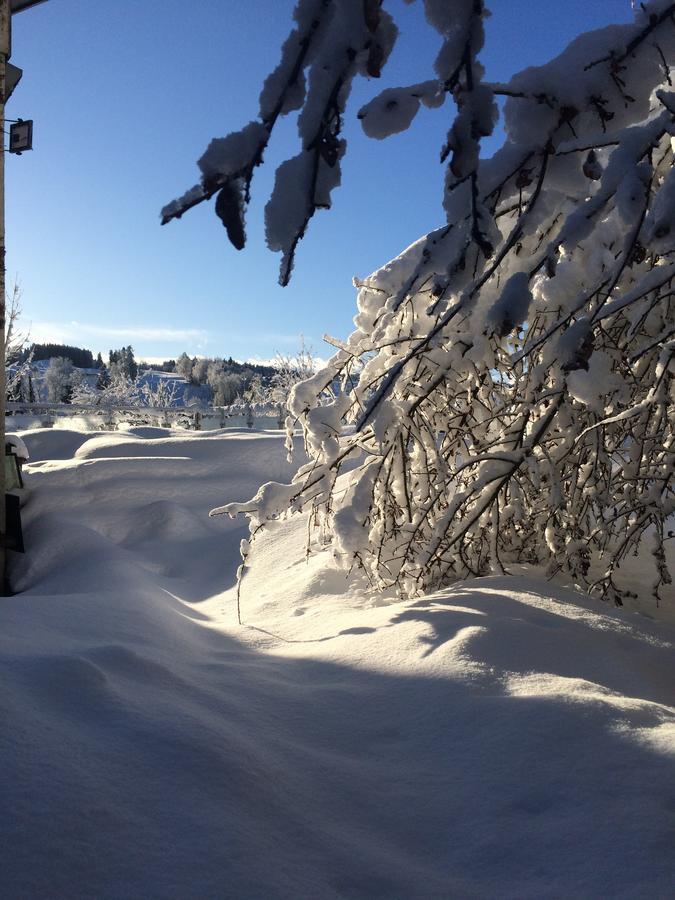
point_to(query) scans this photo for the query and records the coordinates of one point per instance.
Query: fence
(98, 418)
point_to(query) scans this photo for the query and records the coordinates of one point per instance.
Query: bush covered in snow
(510, 380)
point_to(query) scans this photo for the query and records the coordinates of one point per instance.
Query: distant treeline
(227, 379)
(82, 359)
(193, 369)
(222, 382)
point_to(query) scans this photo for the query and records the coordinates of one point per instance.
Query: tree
(17, 358)
(228, 389)
(103, 378)
(122, 365)
(184, 366)
(290, 370)
(256, 392)
(15, 390)
(160, 392)
(77, 355)
(226, 386)
(58, 380)
(116, 391)
(510, 380)
(15, 340)
(200, 370)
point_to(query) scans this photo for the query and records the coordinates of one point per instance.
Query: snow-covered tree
(115, 391)
(226, 386)
(15, 338)
(77, 380)
(200, 370)
(290, 369)
(161, 392)
(84, 394)
(57, 380)
(184, 366)
(103, 378)
(257, 392)
(18, 362)
(122, 364)
(510, 380)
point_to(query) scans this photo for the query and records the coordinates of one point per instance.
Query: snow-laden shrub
(509, 384)
(120, 391)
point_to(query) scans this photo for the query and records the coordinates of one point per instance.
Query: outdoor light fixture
(21, 136)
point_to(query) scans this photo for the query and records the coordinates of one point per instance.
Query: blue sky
(125, 96)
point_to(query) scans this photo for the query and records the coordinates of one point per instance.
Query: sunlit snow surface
(501, 738)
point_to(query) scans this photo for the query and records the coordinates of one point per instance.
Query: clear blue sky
(125, 96)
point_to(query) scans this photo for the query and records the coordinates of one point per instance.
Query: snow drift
(504, 737)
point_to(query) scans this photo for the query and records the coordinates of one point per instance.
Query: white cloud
(155, 360)
(162, 335)
(66, 332)
(319, 361)
(285, 342)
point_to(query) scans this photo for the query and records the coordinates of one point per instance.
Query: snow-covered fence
(49, 414)
(92, 417)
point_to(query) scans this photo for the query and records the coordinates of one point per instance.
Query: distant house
(90, 376)
(173, 386)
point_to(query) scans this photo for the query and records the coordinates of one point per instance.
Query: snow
(513, 305)
(502, 737)
(583, 384)
(393, 109)
(18, 446)
(228, 156)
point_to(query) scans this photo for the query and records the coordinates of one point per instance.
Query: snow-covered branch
(509, 385)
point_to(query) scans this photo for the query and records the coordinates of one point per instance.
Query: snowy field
(501, 738)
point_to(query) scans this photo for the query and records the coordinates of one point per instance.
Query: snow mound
(504, 737)
(149, 431)
(57, 443)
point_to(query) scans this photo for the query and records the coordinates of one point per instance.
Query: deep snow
(503, 737)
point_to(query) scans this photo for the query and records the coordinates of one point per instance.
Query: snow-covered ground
(501, 738)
